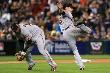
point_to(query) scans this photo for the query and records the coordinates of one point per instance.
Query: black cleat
(31, 66)
(53, 68)
(81, 68)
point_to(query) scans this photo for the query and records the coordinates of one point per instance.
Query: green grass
(62, 67)
(57, 57)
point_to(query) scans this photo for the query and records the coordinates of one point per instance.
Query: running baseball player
(35, 34)
(70, 31)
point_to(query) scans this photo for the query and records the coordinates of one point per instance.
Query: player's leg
(72, 43)
(85, 28)
(29, 60)
(41, 46)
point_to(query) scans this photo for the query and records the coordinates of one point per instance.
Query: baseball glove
(20, 55)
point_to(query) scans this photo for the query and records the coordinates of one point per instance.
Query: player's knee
(42, 52)
(75, 51)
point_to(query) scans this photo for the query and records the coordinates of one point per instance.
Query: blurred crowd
(95, 12)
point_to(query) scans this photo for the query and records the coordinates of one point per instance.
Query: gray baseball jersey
(67, 26)
(31, 31)
(66, 22)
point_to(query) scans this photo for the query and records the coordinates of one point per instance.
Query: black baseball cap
(14, 27)
(67, 5)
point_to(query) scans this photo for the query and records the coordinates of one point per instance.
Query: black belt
(66, 28)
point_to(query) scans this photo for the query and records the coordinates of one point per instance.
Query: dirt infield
(61, 61)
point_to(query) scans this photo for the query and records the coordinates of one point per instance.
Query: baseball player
(70, 31)
(35, 34)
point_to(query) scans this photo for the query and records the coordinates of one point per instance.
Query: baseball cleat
(53, 68)
(81, 68)
(31, 66)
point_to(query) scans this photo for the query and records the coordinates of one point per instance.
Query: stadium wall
(60, 47)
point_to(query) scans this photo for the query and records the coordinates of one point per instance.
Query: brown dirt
(60, 61)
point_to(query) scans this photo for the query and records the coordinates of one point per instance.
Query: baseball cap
(67, 5)
(14, 27)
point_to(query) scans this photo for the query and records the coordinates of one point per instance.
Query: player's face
(69, 9)
(59, 5)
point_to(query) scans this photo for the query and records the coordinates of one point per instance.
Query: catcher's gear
(20, 55)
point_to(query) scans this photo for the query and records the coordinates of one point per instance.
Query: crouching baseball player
(70, 31)
(36, 35)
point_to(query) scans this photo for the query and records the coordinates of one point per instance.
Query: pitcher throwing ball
(70, 31)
